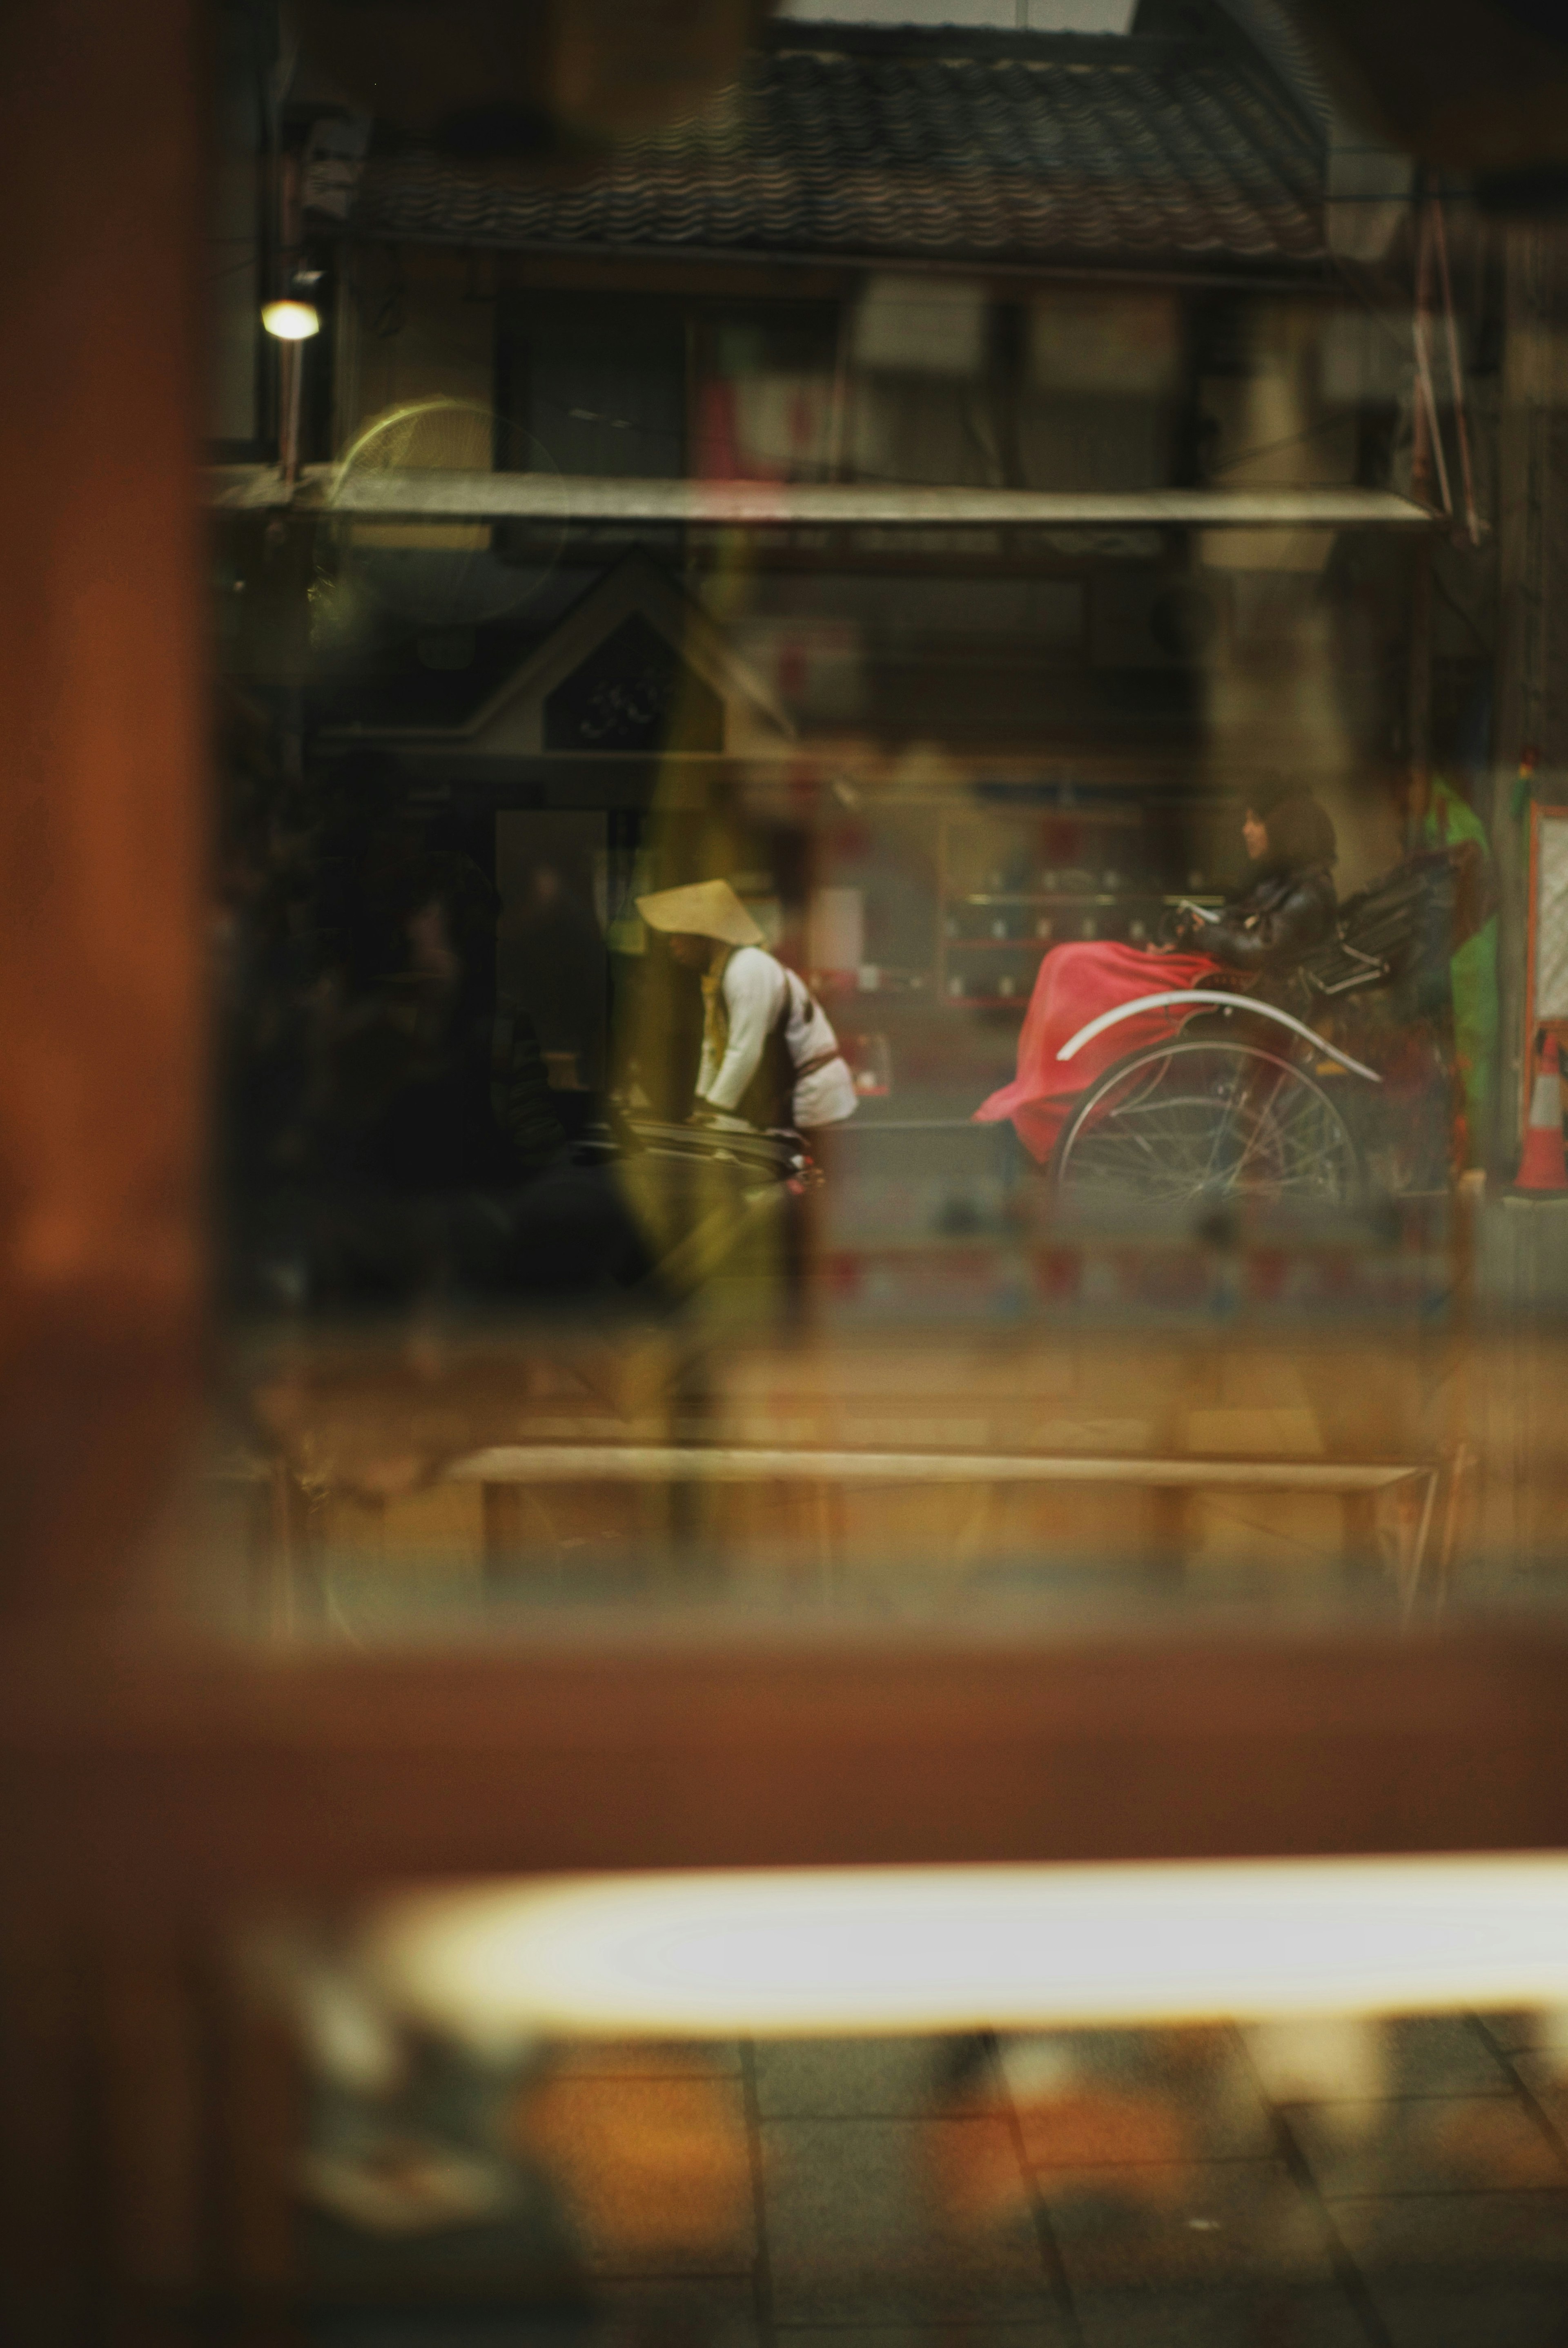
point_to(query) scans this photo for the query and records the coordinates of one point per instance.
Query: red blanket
(1074, 985)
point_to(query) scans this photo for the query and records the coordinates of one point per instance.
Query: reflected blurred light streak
(900, 1948)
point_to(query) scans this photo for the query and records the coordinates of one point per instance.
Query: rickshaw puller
(769, 1057)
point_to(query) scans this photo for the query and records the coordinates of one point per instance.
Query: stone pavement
(1402, 2187)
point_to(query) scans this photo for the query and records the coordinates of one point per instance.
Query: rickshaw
(1312, 1088)
(698, 1194)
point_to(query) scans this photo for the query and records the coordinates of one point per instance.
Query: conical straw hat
(703, 908)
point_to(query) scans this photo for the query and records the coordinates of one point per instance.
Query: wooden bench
(284, 1541)
(512, 1467)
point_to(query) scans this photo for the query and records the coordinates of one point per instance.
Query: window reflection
(1014, 518)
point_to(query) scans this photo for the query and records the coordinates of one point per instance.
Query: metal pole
(1456, 374)
(291, 360)
(1419, 683)
(1523, 496)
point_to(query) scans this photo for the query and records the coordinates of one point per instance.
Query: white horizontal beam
(436, 496)
(629, 1463)
(961, 1948)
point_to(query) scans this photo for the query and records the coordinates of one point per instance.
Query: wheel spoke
(1207, 1121)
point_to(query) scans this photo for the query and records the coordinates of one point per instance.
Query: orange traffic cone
(1541, 1167)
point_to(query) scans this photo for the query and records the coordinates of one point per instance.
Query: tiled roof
(911, 144)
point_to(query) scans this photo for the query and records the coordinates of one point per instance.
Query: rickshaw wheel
(1194, 1125)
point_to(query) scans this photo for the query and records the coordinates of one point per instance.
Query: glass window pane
(886, 833)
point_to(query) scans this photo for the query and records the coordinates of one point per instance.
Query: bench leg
(1170, 1529)
(1362, 1550)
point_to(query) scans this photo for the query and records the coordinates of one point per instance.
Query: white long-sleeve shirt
(754, 986)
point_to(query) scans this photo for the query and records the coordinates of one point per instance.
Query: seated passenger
(1287, 909)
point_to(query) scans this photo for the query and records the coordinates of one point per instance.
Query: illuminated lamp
(291, 321)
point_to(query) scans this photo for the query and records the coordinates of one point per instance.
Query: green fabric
(1472, 968)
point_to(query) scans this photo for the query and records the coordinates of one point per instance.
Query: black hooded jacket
(1280, 918)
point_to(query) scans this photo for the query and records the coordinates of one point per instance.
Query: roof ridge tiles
(960, 154)
(795, 36)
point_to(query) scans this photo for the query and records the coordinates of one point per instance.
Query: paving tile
(1494, 2315)
(1329, 2058)
(859, 2078)
(1443, 2054)
(1105, 2098)
(1464, 2269)
(864, 2224)
(1545, 2077)
(1256, 2315)
(1412, 2054)
(1409, 2055)
(1419, 2233)
(1048, 2329)
(655, 2173)
(1518, 2031)
(642, 2058)
(1426, 2145)
(515, 2322)
(662, 2311)
(1221, 2225)
(528, 2253)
